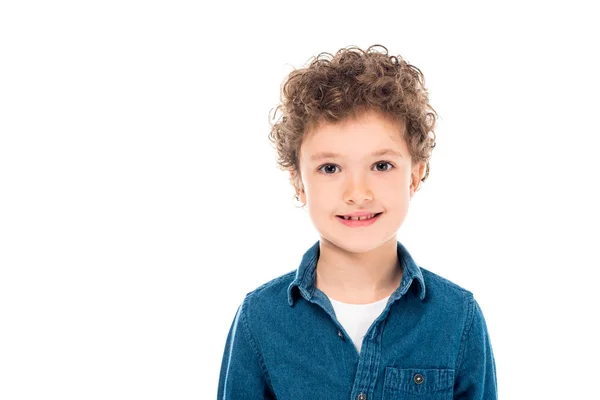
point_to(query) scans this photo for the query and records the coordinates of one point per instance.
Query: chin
(355, 244)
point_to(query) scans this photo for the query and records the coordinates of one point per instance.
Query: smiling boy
(358, 319)
(360, 166)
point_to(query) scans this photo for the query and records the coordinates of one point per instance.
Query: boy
(358, 319)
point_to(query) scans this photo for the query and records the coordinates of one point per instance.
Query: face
(357, 165)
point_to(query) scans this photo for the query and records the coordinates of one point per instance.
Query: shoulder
(438, 282)
(269, 295)
(273, 286)
(443, 290)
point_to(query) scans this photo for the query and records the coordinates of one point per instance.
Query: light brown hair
(332, 88)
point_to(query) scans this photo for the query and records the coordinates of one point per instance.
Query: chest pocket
(418, 384)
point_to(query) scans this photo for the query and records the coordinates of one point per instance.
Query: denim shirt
(430, 342)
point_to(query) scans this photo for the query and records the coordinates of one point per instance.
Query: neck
(358, 278)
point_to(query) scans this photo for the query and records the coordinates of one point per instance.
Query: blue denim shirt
(430, 342)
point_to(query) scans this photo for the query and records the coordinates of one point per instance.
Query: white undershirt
(357, 318)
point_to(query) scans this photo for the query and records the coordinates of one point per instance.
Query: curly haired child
(358, 319)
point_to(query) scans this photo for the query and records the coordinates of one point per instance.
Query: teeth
(359, 218)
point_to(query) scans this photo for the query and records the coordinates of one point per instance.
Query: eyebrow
(328, 154)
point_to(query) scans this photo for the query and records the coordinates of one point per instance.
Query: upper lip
(360, 214)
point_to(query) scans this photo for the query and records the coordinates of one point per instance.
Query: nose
(358, 190)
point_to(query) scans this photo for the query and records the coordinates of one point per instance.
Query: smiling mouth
(358, 219)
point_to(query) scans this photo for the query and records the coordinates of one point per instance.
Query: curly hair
(335, 87)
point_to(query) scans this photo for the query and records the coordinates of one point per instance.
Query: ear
(417, 173)
(296, 181)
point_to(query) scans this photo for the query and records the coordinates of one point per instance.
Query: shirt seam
(254, 346)
(466, 331)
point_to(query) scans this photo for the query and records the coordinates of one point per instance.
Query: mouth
(366, 218)
(358, 222)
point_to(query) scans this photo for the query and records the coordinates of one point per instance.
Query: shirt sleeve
(242, 375)
(476, 372)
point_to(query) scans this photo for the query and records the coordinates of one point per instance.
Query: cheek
(323, 199)
(320, 197)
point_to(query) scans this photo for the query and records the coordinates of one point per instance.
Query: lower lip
(355, 224)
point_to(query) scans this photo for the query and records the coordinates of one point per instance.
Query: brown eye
(328, 167)
(380, 163)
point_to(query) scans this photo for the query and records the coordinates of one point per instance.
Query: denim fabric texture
(430, 342)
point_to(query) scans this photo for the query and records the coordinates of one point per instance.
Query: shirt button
(418, 379)
(340, 334)
(361, 396)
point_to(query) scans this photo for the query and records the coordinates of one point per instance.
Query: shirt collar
(305, 274)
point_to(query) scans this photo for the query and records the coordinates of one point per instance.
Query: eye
(384, 163)
(329, 169)
(324, 167)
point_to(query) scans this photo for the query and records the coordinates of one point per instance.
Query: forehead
(354, 137)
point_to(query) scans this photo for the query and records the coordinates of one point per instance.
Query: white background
(140, 199)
